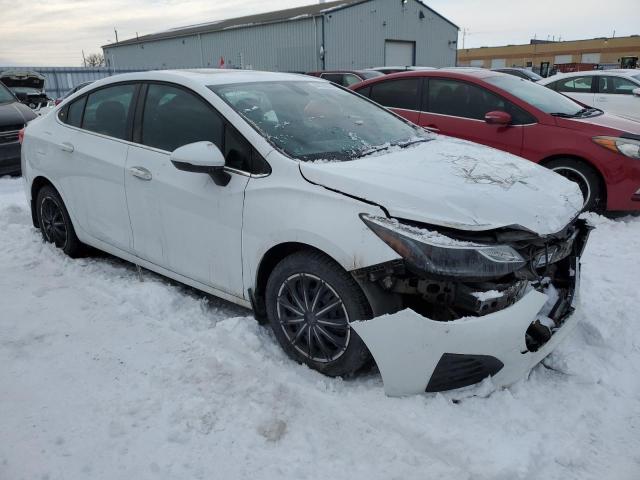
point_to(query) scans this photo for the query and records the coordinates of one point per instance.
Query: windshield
(541, 97)
(5, 95)
(317, 120)
(637, 77)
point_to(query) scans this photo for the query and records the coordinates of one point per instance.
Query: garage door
(397, 53)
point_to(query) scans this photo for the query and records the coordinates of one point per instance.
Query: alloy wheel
(313, 317)
(52, 222)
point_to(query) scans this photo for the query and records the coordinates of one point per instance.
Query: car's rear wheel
(310, 303)
(585, 177)
(55, 223)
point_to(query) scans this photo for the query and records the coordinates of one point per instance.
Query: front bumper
(416, 354)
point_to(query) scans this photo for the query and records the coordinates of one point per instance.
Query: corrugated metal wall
(59, 80)
(286, 46)
(355, 36)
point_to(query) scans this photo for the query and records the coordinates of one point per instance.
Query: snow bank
(106, 377)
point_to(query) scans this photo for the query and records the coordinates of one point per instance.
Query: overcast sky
(54, 32)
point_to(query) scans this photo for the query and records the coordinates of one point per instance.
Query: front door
(183, 221)
(615, 95)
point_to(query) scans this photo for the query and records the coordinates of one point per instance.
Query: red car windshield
(542, 98)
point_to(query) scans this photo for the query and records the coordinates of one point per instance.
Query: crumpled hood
(458, 184)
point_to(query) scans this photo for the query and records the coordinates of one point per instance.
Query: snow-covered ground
(104, 376)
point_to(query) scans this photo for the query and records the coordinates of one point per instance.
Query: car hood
(15, 113)
(18, 78)
(614, 123)
(458, 184)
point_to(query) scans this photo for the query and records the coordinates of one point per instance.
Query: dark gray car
(13, 117)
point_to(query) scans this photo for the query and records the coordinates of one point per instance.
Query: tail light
(21, 136)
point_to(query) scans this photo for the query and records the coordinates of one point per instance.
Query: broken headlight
(436, 253)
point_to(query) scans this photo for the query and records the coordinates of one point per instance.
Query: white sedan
(324, 213)
(614, 91)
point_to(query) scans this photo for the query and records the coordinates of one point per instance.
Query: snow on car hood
(455, 183)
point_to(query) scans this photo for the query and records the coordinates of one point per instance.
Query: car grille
(9, 133)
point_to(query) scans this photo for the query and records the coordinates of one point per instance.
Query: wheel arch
(268, 262)
(603, 184)
(37, 184)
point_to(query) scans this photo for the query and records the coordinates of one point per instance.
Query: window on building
(107, 110)
(398, 93)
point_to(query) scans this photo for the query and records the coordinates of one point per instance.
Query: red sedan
(600, 152)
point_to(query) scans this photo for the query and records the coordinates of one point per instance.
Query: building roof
(297, 13)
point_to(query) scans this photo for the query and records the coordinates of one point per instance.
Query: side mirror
(201, 157)
(497, 118)
(636, 92)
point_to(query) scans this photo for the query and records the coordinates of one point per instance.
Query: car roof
(620, 72)
(458, 73)
(209, 76)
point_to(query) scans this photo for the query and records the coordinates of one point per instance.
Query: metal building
(344, 34)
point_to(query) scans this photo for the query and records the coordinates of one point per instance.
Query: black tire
(323, 341)
(587, 179)
(55, 223)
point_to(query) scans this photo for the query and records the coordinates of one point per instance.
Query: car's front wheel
(55, 223)
(310, 302)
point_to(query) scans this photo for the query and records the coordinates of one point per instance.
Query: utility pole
(464, 36)
(84, 60)
(116, 32)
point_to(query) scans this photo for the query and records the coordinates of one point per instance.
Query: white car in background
(325, 213)
(614, 91)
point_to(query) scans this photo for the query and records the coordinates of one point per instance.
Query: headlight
(626, 146)
(436, 253)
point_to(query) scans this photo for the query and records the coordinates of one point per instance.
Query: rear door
(457, 108)
(183, 221)
(93, 150)
(580, 88)
(400, 95)
(615, 95)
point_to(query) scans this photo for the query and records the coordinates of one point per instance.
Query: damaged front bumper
(417, 354)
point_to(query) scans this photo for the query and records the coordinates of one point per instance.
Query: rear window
(107, 110)
(402, 93)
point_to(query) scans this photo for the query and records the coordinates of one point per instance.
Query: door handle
(141, 173)
(67, 147)
(602, 99)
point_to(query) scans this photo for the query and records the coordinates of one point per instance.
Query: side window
(397, 93)
(575, 85)
(74, 117)
(173, 117)
(333, 77)
(107, 110)
(461, 99)
(616, 86)
(350, 79)
(364, 91)
(237, 151)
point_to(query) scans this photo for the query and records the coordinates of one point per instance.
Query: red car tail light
(21, 136)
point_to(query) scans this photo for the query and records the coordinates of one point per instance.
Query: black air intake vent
(456, 371)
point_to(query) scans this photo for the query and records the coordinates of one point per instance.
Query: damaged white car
(351, 231)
